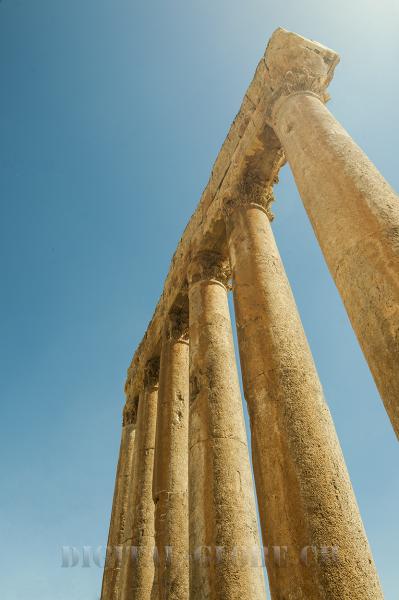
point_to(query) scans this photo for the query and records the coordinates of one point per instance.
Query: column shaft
(170, 487)
(222, 515)
(139, 579)
(355, 215)
(128, 527)
(304, 492)
(112, 570)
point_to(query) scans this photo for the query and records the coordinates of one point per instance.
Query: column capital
(176, 325)
(130, 411)
(209, 265)
(250, 191)
(151, 373)
(296, 65)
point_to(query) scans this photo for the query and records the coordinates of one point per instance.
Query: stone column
(222, 515)
(111, 577)
(139, 579)
(306, 501)
(170, 486)
(129, 524)
(353, 210)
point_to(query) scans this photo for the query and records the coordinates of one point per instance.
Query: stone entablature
(252, 154)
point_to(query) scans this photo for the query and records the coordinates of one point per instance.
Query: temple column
(128, 527)
(306, 501)
(222, 515)
(120, 508)
(353, 210)
(139, 578)
(170, 484)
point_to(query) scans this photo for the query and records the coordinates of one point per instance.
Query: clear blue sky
(111, 114)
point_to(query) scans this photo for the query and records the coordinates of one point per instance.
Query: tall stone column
(139, 580)
(111, 578)
(353, 210)
(305, 497)
(125, 553)
(170, 486)
(222, 515)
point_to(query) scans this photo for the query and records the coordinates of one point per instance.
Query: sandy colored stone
(130, 505)
(355, 215)
(139, 581)
(250, 144)
(170, 486)
(120, 507)
(304, 492)
(221, 498)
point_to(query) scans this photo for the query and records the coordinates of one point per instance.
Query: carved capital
(296, 65)
(151, 373)
(208, 266)
(130, 411)
(249, 191)
(176, 325)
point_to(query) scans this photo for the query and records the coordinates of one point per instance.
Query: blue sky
(111, 115)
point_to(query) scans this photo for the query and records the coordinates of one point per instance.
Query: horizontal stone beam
(251, 156)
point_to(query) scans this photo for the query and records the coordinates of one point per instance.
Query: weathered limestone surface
(120, 506)
(126, 541)
(304, 491)
(139, 581)
(170, 486)
(222, 505)
(251, 146)
(355, 215)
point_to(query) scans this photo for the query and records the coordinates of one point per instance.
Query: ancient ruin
(184, 522)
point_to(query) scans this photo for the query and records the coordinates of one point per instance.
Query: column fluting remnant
(139, 581)
(353, 210)
(224, 540)
(306, 501)
(170, 486)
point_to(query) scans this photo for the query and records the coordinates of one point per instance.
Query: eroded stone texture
(120, 507)
(221, 500)
(130, 506)
(355, 215)
(170, 486)
(251, 146)
(304, 492)
(139, 581)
